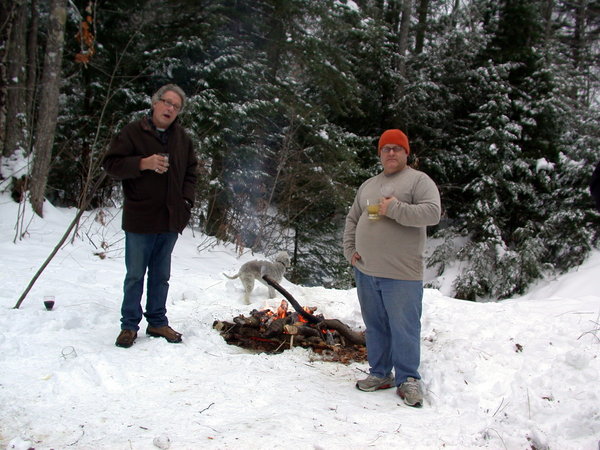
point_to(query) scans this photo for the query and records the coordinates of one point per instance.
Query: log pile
(274, 332)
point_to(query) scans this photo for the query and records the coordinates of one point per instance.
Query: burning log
(307, 316)
(274, 332)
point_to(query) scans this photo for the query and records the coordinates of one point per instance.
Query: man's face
(393, 158)
(165, 110)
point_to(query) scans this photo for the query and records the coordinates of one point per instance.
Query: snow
(350, 4)
(520, 373)
(543, 164)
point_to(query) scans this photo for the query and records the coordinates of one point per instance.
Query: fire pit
(276, 331)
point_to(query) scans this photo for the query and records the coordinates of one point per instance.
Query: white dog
(254, 270)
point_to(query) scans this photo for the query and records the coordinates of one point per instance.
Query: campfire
(274, 331)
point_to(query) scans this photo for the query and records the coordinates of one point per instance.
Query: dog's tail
(232, 277)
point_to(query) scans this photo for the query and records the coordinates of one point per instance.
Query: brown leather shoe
(167, 332)
(126, 338)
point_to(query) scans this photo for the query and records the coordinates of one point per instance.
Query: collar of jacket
(148, 125)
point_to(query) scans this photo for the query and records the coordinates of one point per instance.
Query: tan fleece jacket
(393, 246)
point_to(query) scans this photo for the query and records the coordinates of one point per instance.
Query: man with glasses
(154, 159)
(385, 247)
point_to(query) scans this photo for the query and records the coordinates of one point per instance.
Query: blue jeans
(152, 252)
(391, 310)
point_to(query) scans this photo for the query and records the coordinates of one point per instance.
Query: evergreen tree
(512, 166)
(286, 100)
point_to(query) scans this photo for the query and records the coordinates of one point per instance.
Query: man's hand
(355, 258)
(155, 162)
(385, 202)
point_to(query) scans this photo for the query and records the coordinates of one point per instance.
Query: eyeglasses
(395, 149)
(170, 104)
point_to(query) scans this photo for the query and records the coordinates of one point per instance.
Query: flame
(282, 310)
(307, 309)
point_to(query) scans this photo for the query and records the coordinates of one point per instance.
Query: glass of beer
(373, 209)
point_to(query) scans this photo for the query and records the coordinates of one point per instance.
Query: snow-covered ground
(517, 374)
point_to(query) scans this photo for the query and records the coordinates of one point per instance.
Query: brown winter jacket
(154, 203)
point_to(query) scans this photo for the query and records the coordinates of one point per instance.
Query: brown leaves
(86, 39)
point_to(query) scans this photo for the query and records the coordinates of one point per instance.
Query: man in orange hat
(385, 246)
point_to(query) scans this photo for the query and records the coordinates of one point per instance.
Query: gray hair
(169, 87)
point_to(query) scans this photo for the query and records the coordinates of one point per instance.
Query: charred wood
(275, 328)
(302, 330)
(251, 321)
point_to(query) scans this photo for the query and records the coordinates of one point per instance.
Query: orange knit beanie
(396, 137)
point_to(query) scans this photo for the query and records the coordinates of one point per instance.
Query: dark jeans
(391, 310)
(152, 252)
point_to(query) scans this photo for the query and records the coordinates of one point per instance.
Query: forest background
(286, 101)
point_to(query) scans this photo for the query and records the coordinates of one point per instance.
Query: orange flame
(309, 310)
(282, 310)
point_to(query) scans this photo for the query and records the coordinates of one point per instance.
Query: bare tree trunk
(403, 42)
(32, 64)
(392, 14)
(547, 10)
(455, 13)
(16, 108)
(422, 26)
(216, 216)
(578, 41)
(6, 20)
(48, 111)
(379, 8)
